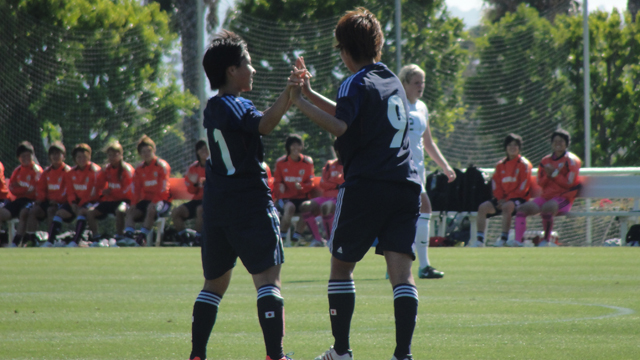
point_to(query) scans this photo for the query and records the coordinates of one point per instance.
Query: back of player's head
(513, 137)
(145, 141)
(563, 134)
(227, 49)
(81, 147)
(114, 146)
(24, 147)
(199, 145)
(359, 34)
(291, 139)
(57, 146)
(407, 72)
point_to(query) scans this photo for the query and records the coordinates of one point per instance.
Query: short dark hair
(80, 147)
(292, 138)
(57, 146)
(145, 141)
(512, 137)
(24, 147)
(359, 34)
(226, 50)
(563, 134)
(199, 145)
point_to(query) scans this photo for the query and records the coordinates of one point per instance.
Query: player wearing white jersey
(420, 139)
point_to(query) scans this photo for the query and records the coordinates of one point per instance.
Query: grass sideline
(133, 303)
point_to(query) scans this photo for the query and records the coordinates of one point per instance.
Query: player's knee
(199, 211)
(508, 207)
(485, 208)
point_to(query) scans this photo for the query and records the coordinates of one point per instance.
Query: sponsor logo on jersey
(151, 183)
(509, 179)
(301, 172)
(24, 184)
(54, 186)
(114, 186)
(80, 187)
(292, 179)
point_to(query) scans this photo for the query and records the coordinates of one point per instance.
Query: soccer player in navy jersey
(370, 120)
(236, 189)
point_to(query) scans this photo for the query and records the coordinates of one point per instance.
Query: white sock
(422, 239)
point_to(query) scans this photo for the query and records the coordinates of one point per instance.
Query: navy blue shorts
(257, 242)
(107, 208)
(162, 208)
(516, 201)
(14, 207)
(374, 209)
(67, 207)
(192, 207)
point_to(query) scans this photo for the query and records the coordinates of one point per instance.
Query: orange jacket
(332, 178)
(52, 185)
(120, 186)
(195, 188)
(151, 182)
(290, 172)
(23, 181)
(512, 179)
(563, 182)
(81, 184)
(4, 191)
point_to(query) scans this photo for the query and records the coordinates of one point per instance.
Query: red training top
(332, 178)
(23, 181)
(564, 181)
(81, 184)
(119, 184)
(512, 179)
(52, 185)
(151, 182)
(195, 188)
(4, 191)
(290, 172)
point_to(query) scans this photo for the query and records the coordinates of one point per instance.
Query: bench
(598, 183)
(178, 190)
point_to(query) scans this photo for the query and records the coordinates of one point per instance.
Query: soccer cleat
(477, 243)
(331, 354)
(60, 243)
(46, 244)
(513, 243)
(141, 240)
(72, 244)
(528, 243)
(197, 358)
(408, 357)
(543, 243)
(286, 357)
(316, 243)
(125, 241)
(429, 272)
(499, 243)
(12, 245)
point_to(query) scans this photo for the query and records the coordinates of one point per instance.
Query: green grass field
(551, 303)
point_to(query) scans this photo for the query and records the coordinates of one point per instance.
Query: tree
(549, 8)
(86, 71)
(632, 7)
(515, 87)
(615, 85)
(431, 39)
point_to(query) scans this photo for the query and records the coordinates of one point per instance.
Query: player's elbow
(339, 129)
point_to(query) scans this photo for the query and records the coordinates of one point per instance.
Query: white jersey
(418, 120)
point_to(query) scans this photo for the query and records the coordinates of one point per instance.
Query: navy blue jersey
(236, 181)
(373, 104)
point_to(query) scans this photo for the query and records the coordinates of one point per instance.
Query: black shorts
(295, 202)
(44, 206)
(257, 243)
(192, 207)
(107, 208)
(67, 207)
(516, 201)
(14, 207)
(360, 218)
(162, 208)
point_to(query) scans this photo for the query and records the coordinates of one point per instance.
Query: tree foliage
(86, 71)
(549, 8)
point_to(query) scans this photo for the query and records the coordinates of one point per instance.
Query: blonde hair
(407, 72)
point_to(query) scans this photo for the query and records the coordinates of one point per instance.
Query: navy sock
(405, 303)
(17, 239)
(56, 225)
(504, 236)
(205, 310)
(80, 225)
(481, 236)
(271, 317)
(342, 301)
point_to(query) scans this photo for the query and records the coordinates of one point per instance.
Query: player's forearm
(321, 102)
(273, 115)
(323, 119)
